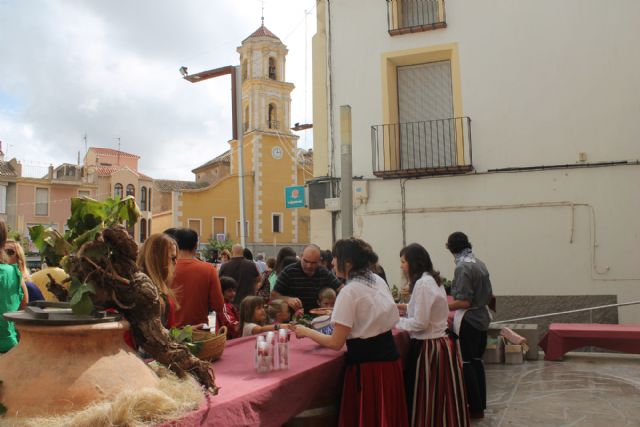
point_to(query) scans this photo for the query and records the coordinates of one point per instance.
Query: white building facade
(514, 122)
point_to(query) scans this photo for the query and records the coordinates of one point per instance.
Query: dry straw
(149, 406)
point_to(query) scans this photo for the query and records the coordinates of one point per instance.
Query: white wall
(542, 81)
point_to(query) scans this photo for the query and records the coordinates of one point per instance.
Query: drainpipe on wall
(346, 193)
(403, 183)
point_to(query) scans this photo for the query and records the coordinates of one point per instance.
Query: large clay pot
(59, 369)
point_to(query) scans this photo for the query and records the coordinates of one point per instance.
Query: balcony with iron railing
(434, 147)
(411, 16)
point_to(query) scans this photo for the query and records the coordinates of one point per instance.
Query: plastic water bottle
(212, 320)
(283, 349)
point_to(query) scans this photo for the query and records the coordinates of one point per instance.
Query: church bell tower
(270, 148)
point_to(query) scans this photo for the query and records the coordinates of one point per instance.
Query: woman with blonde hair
(13, 296)
(157, 259)
(14, 254)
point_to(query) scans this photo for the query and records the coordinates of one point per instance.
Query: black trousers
(472, 345)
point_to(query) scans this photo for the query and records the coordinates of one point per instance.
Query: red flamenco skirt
(373, 395)
(435, 386)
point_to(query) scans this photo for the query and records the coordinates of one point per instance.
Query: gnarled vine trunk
(109, 264)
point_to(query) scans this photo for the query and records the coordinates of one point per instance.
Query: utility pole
(346, 193)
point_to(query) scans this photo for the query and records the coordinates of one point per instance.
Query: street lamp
(236, 118)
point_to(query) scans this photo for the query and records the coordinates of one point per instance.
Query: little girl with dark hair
(253, 317)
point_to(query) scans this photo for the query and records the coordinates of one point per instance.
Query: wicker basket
(212, 345)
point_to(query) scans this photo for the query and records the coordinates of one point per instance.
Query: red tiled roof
(262, 32)
(224, 158)
(111, 152)
(108, 170)
(173, 185)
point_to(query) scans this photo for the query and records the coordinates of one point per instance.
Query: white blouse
(427, 310)
(367, 308)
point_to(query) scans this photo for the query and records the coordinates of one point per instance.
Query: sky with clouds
(109, 69)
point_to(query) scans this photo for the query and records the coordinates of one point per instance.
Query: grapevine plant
(99, 256)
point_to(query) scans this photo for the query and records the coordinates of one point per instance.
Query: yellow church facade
(271, 162)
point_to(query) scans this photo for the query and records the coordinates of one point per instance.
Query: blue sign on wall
(294, 196)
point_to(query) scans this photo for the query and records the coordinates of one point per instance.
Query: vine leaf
(88, 219)
(81, 302)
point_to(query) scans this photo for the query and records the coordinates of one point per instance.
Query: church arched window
(131, 190)
(117, 190)
(273, 117)
(272, 69)
(245, 71)
(245, 119)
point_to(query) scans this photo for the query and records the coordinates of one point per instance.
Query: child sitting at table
(229, 316)
(326, 298)
(278, 311)
(253, 317)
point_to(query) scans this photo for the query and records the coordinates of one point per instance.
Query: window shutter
(425, 105)
(42, 201)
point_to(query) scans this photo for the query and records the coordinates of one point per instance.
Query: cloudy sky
(109, 69)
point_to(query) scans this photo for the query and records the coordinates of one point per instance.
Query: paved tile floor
(586, 389)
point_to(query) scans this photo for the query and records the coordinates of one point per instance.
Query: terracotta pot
(58, 369)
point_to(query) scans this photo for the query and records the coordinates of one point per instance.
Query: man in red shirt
(196, 283)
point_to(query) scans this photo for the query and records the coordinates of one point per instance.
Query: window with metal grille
(42, 201)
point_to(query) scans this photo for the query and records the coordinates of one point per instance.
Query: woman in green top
(13, 295)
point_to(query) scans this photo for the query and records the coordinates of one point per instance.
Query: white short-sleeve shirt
(367, 308)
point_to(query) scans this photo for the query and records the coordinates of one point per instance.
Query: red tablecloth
(564, 337)
(247, 398)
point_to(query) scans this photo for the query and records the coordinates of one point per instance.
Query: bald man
(298, 284)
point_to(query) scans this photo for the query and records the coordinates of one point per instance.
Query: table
(247, 398)
(564, 337)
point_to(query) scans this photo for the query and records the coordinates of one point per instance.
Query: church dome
(261, 32)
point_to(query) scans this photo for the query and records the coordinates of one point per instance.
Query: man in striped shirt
(298, 284)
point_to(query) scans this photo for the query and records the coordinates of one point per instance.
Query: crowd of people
(442, 381)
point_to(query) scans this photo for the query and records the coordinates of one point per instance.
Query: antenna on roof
(118, 138)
